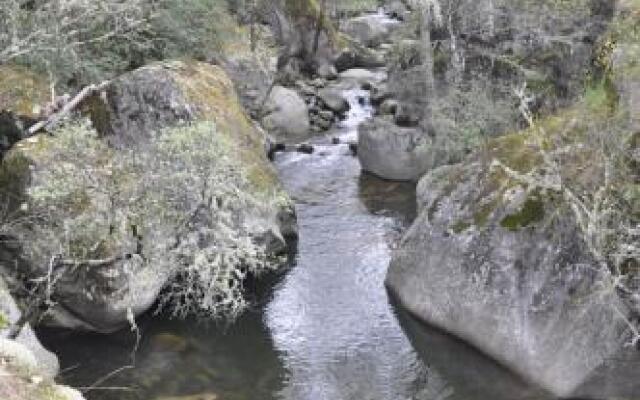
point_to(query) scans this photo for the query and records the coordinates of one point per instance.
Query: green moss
(532, 211)
(4, 321)
(22, 90)
(210, 89)
(483, 212)
(460, 226)
(517, 151)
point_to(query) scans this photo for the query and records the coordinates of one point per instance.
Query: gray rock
(507, 272)
(333, 100)
(393, 152)
(141, 252)
(318, 83)
(389, 107)
(46, 362)
(358, 56)
(125, 118)
(327, 71)
(379, 93)
(326, 115)
(287, 116)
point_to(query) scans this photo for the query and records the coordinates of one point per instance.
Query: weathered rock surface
(22, 378)
(393, 152)
(503, 262)
(145, 218)
(287, 115)
(525, 295)
(333, 100)
(45, 361)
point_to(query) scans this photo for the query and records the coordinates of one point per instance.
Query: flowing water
(324, 331)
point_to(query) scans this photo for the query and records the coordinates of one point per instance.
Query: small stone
(353, 147)
(305, 148)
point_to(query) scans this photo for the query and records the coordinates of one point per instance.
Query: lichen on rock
(527, 249)
(172, 194)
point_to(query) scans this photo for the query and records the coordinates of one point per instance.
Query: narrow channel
(326, 330)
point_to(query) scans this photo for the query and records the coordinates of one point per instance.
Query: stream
(324, 330)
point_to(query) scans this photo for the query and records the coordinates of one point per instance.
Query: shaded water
(325, 331)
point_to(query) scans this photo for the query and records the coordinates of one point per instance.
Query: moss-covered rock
(22, 91)
(175, 179)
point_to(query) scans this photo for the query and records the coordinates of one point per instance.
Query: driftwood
(55, 118)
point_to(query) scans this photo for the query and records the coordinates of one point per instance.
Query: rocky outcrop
(175, 173)
(287, 116)
(393, 152)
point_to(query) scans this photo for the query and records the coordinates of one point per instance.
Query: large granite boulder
(287, 115)
(174, 174)
(393, 152)
(502, 256)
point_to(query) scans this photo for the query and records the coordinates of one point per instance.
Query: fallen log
(55, 118)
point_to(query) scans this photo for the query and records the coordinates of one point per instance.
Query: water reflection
(330, 317)
(175, 358)
(327, 333)
(469, 374)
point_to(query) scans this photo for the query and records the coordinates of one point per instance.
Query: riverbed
(325, 330)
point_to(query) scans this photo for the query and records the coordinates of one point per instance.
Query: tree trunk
(427, 121)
